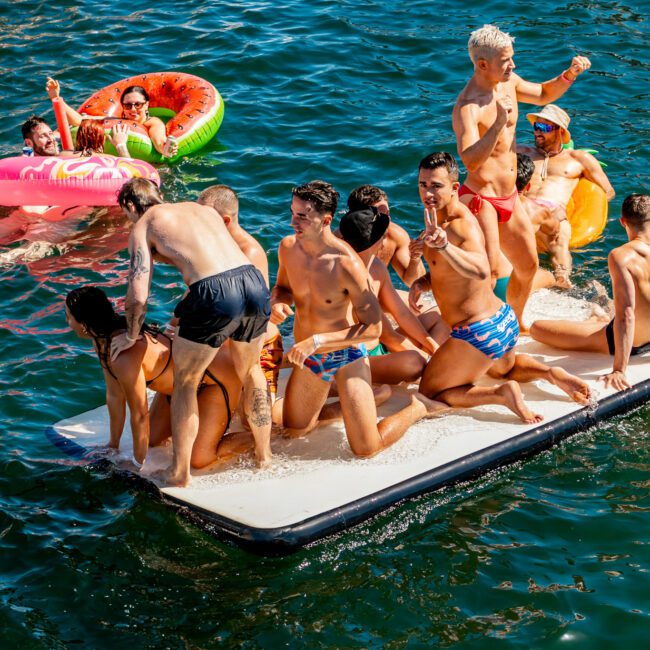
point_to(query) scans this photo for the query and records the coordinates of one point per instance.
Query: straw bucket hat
(554, 114)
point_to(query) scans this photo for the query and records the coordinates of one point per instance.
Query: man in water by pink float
(484, 121)
(38, 135)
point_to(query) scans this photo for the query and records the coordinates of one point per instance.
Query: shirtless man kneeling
(484, 329)
(628, 334)
(336, 315)
(227, 299)
(484, 120)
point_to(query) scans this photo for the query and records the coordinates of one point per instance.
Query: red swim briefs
(504, 205)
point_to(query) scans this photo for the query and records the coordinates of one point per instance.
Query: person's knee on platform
(414, 367)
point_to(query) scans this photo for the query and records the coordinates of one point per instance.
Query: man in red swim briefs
(484, 121)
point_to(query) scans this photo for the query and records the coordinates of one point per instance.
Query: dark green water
(550, 553)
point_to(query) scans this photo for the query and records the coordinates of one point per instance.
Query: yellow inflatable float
(587, 213)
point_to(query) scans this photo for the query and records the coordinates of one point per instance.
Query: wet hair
(320, 194)
(365, 197)
(31, 124)
(91, 307)
(90, 137)
(636, 209)
(441, 159)
(485, 42)
(525, 171)
(135, 89)
(222, 198)
(141, 192)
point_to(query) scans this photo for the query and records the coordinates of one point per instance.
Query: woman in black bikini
(148, 364)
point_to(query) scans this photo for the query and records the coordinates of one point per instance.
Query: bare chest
(314, 282)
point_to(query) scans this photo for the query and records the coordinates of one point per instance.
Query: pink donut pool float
(56, 180)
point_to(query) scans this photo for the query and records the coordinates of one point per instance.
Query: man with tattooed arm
(227, 299)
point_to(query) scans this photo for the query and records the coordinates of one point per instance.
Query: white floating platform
(316, 486)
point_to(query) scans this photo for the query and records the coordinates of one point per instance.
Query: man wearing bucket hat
(558, 170)
(398, 356)
(484, 120)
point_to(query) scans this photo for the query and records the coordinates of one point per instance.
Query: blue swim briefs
(492, 336)
(325, 365)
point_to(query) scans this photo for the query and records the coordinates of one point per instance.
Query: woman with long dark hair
(148, 364)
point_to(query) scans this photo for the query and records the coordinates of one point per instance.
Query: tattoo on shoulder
(261, 415)
(137, 267)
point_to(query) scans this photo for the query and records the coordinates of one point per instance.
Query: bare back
(193, 238)
(632, 260)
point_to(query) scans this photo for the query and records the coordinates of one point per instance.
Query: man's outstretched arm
(544, 93)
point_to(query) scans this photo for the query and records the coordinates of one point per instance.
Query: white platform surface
(318, 473)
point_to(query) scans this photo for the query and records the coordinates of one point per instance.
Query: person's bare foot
(562, 281)
(573, 386)
(264, 457)
(382, 393)
(599, 314)
(513, 399)
(295, 433)
(235, 444)
(602, 299)
(168, 478)
(433, 407)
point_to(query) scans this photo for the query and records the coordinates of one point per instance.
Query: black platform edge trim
(288, 539)
(67, 446)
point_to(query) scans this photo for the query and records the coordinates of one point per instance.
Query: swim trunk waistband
(237, 270)
(611, 343)
(326, 365)
(378, 351)
(493, 336)
(504, 205)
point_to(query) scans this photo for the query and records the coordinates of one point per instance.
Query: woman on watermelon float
(135, 106)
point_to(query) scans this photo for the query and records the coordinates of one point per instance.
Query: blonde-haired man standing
(484, 121)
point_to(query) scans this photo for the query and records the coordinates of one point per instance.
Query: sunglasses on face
(131, 105)
(545, 128)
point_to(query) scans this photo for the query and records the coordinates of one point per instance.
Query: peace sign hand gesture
(434, 236)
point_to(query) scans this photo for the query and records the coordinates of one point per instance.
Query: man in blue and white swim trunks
(336, 315)
(484, 329)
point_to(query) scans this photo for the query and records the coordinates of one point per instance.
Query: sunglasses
(545, 128)
(131, 105)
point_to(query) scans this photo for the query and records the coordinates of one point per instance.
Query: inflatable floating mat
(316, 487)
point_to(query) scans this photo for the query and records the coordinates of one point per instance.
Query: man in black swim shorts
(628, 333)
(227, 299)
